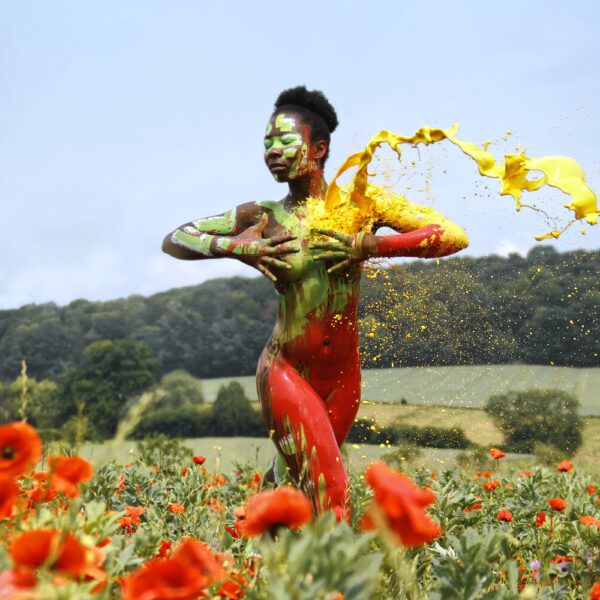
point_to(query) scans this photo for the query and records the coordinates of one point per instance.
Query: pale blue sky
(120, 120)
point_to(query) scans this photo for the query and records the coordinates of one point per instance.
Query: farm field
(458, 387)
(223, 452)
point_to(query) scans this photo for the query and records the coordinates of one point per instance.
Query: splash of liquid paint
(355, 207)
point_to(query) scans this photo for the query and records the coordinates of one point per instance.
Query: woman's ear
(319, 149)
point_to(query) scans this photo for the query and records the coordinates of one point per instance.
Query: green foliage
(467, 568)
(41, 405)
(162, 450)
(541, 309)
(366, 431)
(180, 389)
(111, 374)
(325, 559)
(548, 416)
(233, 414)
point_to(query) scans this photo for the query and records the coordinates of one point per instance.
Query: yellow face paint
(361, 202)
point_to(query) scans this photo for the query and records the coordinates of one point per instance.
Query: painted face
(287, 147)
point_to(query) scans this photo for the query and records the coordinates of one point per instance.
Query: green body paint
(224, 224)
(192, 241)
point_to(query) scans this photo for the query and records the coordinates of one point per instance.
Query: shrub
(176, 422)
(526, 417)
(180, 388)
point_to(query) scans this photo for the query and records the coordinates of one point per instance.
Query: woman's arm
(423, 232)
(238, 233)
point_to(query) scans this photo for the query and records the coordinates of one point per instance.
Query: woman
(308, 375)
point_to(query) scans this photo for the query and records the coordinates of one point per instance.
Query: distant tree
(39, 398)
(110, 374)
(233, 414)
(180, 389)
(548, 416)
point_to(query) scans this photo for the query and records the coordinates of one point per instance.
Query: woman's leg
(303, 434)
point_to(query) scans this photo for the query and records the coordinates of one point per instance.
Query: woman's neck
(301, 188)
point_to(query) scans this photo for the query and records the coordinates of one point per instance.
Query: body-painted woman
(308, 375)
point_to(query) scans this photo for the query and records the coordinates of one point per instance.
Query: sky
(121, 120)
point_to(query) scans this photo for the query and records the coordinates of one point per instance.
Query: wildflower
(505, 515)
(20, 448)
(540, 519)
(8, 496)
(474, 507)
(483, 474)
(496, 454)
(595, 592)
(184, 576)
(15, 583)
(526, 474)
(60, 552)
(176, 508)
(199, 460)
(132, 518)
(557, 504)
(491, 485)
(587, 520)
(284, 506)
(564, 466)
(400, 504)
(184, 471)
(591, 489)
(234, 587)
(255, 481)
(164, 549)
(67, 472)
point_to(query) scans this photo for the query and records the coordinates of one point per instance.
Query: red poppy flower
(67, 472)
(255, 481)
(540, 519)
(505, 515)
(526, 474)
(282, 507)
(234, 587)
(191, 569)
(184, 471)
(132, 518)
(591, 489)
(564, 466)
(557, 504)
(20, 448)
(496, 454)
(176, 508)
(400, 504)
(491, 485)
(164, 549)
(483, 474)
(61, 553)
(8, 496)
(589, 520)
(199, 460)
(595, 592)
(14, 583)
(474, 507)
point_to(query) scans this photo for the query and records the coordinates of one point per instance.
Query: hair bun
(313, 100)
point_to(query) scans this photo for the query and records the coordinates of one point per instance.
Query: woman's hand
(345, 249)
(250, 247)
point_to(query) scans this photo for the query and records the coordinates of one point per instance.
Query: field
(223, 452)
(458, 387)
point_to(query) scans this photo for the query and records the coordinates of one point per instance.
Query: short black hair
(314, 108)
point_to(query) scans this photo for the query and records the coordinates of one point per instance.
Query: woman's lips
(277, 167)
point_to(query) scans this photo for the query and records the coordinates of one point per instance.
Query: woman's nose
(273, 151)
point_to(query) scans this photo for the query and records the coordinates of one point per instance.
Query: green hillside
(467, 387)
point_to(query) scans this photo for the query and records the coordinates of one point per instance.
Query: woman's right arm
(238, 233)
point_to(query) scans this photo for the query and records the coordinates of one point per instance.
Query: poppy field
(166, 527)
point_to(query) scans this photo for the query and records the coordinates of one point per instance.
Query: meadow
(458, 387)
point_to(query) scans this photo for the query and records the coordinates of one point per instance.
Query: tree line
(538, 309)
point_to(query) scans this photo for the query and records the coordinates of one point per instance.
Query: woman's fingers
(338, 235)
(326, 246)
(280, 239)
(340, 265)
(276, 262)
(282, 249)
(330, 255)
(265, 271)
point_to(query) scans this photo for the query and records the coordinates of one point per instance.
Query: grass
(458, 387)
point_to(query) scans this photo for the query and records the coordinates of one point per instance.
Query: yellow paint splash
(356, 207)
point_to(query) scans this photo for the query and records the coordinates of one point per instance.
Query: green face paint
(285, 123)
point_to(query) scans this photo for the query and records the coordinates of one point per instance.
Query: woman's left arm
(422, 232)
